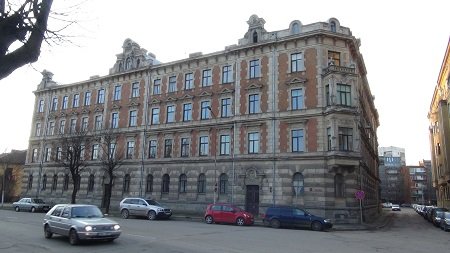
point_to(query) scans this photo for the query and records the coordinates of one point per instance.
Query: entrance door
(252, 199)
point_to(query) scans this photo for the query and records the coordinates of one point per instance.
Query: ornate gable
(296, 80)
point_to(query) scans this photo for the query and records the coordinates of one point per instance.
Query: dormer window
(333, 26)
(295, 28)
(255, 37)
(138, 62)
(128, 64)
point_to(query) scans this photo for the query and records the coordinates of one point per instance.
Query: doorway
(252, 199)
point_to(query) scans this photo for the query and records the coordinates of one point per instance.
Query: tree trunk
(108, 194)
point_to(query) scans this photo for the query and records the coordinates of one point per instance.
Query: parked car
(288, 216)
(80, 222)
(227, 213)
(31, 205)
(437, 214)
(143, 207)
(395, 207)
(427, 214)
(445, 221)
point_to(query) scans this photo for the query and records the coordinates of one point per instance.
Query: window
(149, 183)
(205, 110)
(170, 114)
(253, 143)
(185, 147)
(182, 184)
(87, 98)
(203, 145)
(94, 152)
(255, 37)
(201, 184)
(157, 86)
(253, 105)
(187, 112)
(41, 106)
(255, 70)
(66, 182)
(329, 138)
(206, 78)
(295, 28)
(91, 183)
(227, 74)
(152, 149)
(135, 90)
(223, 179)
(298, 184)
(30, 182)
(297, 99)
(55, 182)
(98, 122)
(65, 102)
(334, 58)
(224, 145)
(225, 107)
(58, 153)
(126, 183)
(44, 182)
(345, 139)
(76, 101)
(38, 129)
(115, 120)
(339, 190)
(101, 96)
(34, 156)
(333, 26)
(188, 81)
(54, 104)
(165, 183)
(343, 94)
(168, 148)
(112, 151)
(327, 94)
(117, 92)
(130, 149)
(73, 125)
(84, 124)
(155, 116)
(296, 62)
(172, 84)
(48, 154)
(51, 128)
(132, 122)
(298, 141)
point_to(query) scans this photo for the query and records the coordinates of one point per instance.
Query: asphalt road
(408, 232)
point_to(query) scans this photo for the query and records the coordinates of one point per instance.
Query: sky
(403, 44)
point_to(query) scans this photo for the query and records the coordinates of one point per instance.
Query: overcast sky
(403, 44)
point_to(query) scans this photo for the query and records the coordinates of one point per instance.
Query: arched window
(201, 184)
(223, 179)
(128, 64)
(339, 186)
(165, 183)
(30, 182)
(91, 183)
(44, 182)
(255, 37)
(298, 183)
(149, 184)
(55, 182)
(295, 28)
(182, 184)
(333, 26)
(66, 182)
(126, 183)
(138, 62)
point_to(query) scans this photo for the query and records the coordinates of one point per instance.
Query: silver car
(80, 222)
(31, 205)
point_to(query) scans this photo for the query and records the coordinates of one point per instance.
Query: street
(408, 232)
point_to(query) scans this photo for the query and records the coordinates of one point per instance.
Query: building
(419, 189)
(11, 173)
(283, 117)
(431, 192)
(392, 160)
(440, 133)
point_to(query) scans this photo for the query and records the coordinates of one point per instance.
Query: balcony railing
(338, 69)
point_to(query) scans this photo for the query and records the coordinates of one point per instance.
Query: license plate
(104, 234)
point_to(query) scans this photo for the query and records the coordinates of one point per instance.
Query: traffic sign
(360, 195)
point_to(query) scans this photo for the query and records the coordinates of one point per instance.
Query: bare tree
(111, 159)
(71, 156)
(26, 24)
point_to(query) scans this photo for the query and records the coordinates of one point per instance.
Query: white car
(395, 208)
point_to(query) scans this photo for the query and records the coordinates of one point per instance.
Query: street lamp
(215, 156)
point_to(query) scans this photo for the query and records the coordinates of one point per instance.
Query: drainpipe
(273, 116)
(44, 135)
(144, 137)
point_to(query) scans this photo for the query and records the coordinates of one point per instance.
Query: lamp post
(215, 156)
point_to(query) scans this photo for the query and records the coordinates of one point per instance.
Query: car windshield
(39, 201)
(152, 202)
(86, 212)
(447, 215)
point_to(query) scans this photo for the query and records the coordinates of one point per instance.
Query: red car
(227, 213)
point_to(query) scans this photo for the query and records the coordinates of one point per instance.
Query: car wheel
(17, 209)
(316, 226)
(33, 209)
(209, 220)
(73, 237)
(47, 232)
(240, 221)
(125, 214)
(151, 215)
(275, 223)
